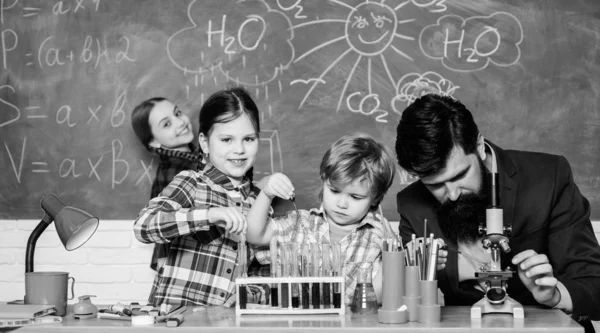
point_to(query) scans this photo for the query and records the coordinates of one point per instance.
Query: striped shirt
(201, 265)
(360, 248)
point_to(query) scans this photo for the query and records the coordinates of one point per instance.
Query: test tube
(285, 271)
(305, 257)
(274, 269)
(326, 268)
(316, 271)
(295, 251)
(336, 254)
(242, 257)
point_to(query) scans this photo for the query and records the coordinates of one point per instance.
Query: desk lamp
(73, 225)
(496, 299)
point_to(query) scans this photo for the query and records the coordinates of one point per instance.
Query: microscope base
(510, 306)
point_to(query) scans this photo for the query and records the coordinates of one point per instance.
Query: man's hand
(442, 255)
(537, 275)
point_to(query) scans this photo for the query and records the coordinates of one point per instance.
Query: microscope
(496, 299)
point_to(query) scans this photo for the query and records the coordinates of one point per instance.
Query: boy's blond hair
(356, 157)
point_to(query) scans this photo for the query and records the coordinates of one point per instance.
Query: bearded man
(555, 253)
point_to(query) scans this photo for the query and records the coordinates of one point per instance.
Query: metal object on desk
(84, 309)
(496, 299)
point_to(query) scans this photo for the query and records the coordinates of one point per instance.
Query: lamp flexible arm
(35, 234)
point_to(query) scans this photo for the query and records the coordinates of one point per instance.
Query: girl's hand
(228, 218)
(278, 185)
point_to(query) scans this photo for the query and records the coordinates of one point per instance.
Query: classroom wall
(72, 71)
(112, 265)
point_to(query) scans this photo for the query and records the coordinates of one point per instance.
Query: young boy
(356, 172)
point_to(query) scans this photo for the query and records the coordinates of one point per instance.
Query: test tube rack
(267, 309)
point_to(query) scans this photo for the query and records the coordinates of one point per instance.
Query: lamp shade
(73, 225)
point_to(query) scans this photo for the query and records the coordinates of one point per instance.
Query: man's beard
(459, 220)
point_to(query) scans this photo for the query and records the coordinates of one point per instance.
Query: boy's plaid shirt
(360, 248)
(202, 264)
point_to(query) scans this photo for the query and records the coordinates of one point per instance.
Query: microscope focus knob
(486, 243)
(482, 229)
(504, 245)
(508, 230)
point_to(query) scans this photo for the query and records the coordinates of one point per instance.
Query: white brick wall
(112, 265)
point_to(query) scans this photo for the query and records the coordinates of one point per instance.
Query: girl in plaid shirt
(356, 172)
(165, 130)
(201, 213)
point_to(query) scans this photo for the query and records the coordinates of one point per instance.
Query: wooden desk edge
(219, 319)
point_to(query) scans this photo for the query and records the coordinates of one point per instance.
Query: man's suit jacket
(548, 214)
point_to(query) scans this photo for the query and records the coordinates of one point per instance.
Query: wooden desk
(219, 319)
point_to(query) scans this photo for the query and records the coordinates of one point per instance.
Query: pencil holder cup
(412, 306)
(412, 297)
(397, 316)
(429, 313)
(428, 291)
(393, 267)
(412, 278)
(393, 280)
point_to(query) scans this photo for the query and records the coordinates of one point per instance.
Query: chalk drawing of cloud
(472, 44)
(414, 85)
(248, 42)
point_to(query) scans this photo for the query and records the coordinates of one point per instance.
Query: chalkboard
(72, 70)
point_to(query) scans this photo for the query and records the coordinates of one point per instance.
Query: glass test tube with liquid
(274, 269)
(242, 257)
(285, 271)
(316, 271)
(305, 265)
(294, 253)
(336, 255)
(326, 269)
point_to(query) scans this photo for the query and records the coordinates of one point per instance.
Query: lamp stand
(35, 234)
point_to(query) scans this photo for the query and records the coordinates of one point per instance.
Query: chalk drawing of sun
(370, 30)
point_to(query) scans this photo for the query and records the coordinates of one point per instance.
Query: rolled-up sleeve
(181, 209)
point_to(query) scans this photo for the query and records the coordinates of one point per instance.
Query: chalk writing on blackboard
(13, 110)
(295, 7)
(70, 167)
(71, 71)
(466, 45)
(370, 29)
(273, 162)
(245, 43)
(59, 8)
(414, 85)
(435, 6)
(120, 168)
